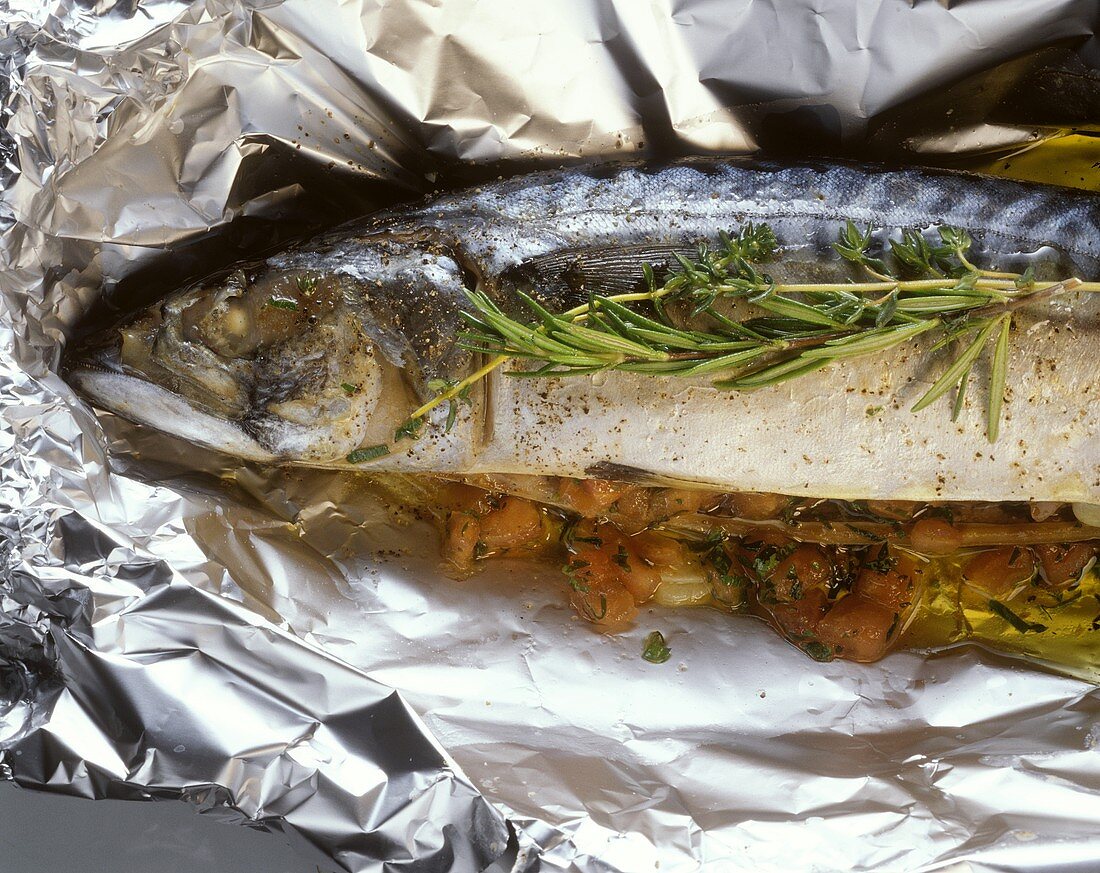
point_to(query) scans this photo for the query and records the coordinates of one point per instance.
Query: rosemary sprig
(916, 287)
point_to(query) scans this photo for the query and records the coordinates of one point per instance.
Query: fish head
(294, 361)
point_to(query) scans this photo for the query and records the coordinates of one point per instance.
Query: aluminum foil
(278, 648)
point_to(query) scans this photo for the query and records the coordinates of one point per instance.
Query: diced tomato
(1000, 571)
(1063, 565)
(858, 628)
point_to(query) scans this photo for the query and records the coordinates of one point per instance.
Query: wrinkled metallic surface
(238, 641)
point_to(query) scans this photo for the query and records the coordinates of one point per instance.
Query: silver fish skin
(326, 347)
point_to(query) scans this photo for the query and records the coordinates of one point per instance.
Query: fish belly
(846, 432)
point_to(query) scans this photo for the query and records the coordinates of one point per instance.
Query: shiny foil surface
(278, 647)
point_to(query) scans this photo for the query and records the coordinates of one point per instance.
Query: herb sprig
(914, 286)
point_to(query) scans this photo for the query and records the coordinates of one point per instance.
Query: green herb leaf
(655, 649)
(998, 377)
(1027, 280)
(853, 245)
(370, 453)
(887, 310)
(570, 570)
(1022, 625)
(283, 303)
(883, 562)
(960, 394)
(954, 373)
(409, 430)
(818, 651)
(568, 536)
(773, 375)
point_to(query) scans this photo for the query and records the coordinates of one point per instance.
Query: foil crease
(278, 648)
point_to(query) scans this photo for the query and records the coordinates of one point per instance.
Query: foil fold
(277, 647)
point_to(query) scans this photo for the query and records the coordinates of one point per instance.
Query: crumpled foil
(277, 647)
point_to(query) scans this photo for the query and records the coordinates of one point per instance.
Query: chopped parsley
(409, 430)
(570, 570)
(893, 625)
(369, 453)
(883, 563)
(568, 536)
(655, 649)
(818, 650)
(592, 613)
(769, 557)
(1021, 624)
(283, 303)
(442, 386)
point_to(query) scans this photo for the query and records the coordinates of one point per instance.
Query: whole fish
(325, 348)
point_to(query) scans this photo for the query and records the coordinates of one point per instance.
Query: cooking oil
(1072, 160)
(1061, 629)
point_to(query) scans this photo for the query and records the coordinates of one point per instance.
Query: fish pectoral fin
(576, 273)
(635, 476)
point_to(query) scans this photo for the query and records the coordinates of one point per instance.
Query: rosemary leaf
(666, 339)
(953, 374)
(796, 310)
(598, 341)
(998, 377)
(555, 368)
(875, 340)
(938, 303)
(639, 321)
(773, 375)
(960, 394)
(670, 368)
(725, 362)
(953, 332)
(736, 328)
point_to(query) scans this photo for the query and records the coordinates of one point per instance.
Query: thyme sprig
(914, 286)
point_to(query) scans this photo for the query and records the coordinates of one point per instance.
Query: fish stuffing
(316, 355)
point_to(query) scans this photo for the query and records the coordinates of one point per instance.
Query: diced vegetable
(516, 522)
(1064, 565)
(999, 572)
(890, 580)
(842, 588)
(858, 628)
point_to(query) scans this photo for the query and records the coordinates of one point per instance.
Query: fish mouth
(96, 371)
